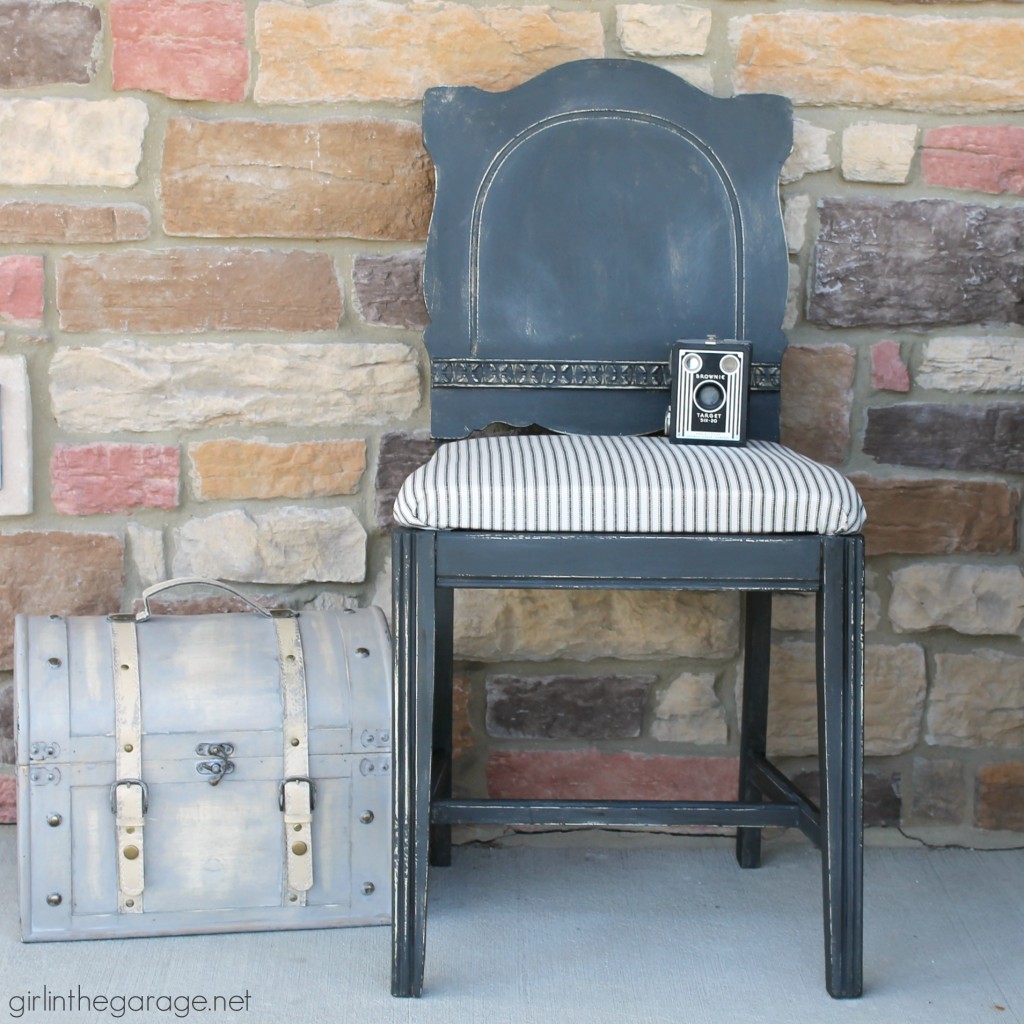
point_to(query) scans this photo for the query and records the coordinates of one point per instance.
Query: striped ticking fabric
(573, 483)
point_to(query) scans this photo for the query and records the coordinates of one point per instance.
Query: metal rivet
(368, 888)
(131, 853)
(54, 899)
(130, 830)
(54, 820)
(366, 817)
(128, 748)
(296, 828)
(293, 898)
(129, 903)
(295, 741)
(55, 662)
(362, 652)
(299, 849)
(124, 668)
(290, 657)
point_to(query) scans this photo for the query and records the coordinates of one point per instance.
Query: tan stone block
(894, 695)
(368, 178)
(54, 573)
(203, 289)
(689, 711)
(663, 30)
(72, 141)
(881, 60)
(873, 151)
(977, 700)
(235, 469)
(795, 210)
(23, 221)
(139, 387)
(535, 625)
(368, 50)
(809, 153)
(972, 599)
(972, 364)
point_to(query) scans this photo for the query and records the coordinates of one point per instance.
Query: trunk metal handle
(200, 581)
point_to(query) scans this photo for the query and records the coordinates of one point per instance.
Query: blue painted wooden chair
(583, 222)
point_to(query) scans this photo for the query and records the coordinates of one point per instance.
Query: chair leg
(441, 779)
(414, 643)
(841, 751)
(753, 714)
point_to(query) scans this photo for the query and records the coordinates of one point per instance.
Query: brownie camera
(710, 384)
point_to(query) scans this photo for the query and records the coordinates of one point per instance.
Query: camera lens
(709, 396)
(729, 364)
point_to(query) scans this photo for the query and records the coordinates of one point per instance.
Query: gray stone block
(47, 43)
(931, 261)
(389, 290)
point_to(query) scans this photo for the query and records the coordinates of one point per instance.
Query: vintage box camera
(710, 384)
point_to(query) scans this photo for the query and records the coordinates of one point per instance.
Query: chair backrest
(583, 222)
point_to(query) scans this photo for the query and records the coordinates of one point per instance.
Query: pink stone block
(984, 158)
(185, 49)
(8, 800)
(21, 290)
(596, 775)
(888, 371)
(101, 478)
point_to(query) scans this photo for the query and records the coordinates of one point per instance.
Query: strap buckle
(297, 778)
(129, 782)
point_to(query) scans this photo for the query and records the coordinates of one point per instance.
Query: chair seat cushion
(573, 483)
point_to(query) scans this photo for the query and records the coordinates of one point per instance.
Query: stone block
(867, 59)
(985, 158)
(93, 479)
(15, 436)
(883, 797)
(21, 290)
(368, 178)
(48, 43)
(60, 141)
(597, 775)
(388, 290)
(894, 696)
(566, 707)
(888, 370)
(880, 152)
(284, 545)
(976, 600)
(70, 223)
(810, 151)
(581, 625)
(234, 469)
(173, 291)
(880, 263)
(8, 753)
(794, 217)
(939, 796)
(689, 711)
(817, 397)
(54, 573)
(977, 700)
(965, 437)
(139, 387)
(146, 557)
(999, 800)
(8, 800)
(463, 741)
(365, 50)
(968, 364)
(185, 49)
(663, 30)
(938, 517)
(399, 455)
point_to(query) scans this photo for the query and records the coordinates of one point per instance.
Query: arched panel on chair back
(583, 222)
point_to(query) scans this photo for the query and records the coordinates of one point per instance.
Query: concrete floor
(624, 930)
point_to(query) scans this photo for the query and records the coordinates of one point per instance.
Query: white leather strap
(298, 793)
(128, 797)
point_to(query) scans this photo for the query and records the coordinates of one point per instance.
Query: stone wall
(212, 217)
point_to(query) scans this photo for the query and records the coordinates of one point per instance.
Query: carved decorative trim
(567, 374)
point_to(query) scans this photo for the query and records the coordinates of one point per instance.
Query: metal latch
(216, 764)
